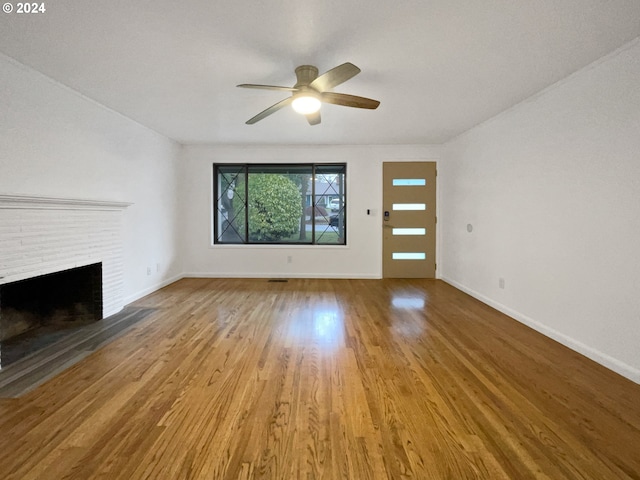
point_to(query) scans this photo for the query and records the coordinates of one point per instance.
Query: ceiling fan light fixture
(311, 91)
(306, 104)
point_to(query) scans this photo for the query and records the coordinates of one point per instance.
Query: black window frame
(341, 168)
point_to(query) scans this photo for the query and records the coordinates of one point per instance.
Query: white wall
(360, 258)
(55, 142)
(552, 189)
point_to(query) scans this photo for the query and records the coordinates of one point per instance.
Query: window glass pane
(231, 212)
(408, 256)
(330, 204)
(281, 203)
(276, 208)
(283, 169)
(409, 182)
(409, 206)
(409, 231)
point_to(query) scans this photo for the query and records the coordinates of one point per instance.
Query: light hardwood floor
(336, 379)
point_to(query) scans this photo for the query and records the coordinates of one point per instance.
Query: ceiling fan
(311, 90)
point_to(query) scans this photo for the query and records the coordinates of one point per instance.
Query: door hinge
(436, 219)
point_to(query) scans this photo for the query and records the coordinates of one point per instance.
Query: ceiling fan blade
(349, 100)
(270, 110)
(313, 118)
(267, 87)
(335, 77)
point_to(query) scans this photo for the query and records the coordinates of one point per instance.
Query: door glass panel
(409, 206)
(408, 256)
(409, 231)
(409, 182)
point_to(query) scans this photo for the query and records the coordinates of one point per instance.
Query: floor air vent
(278, 280)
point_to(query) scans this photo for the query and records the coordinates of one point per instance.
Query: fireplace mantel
(38, 202)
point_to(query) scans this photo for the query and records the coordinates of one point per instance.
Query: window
(280, 204)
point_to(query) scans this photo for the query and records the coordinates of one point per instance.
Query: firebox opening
(61, 299)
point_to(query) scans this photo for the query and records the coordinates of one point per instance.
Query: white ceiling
(438, 67)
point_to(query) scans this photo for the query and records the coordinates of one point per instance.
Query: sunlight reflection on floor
(321, 325)
(410, 321)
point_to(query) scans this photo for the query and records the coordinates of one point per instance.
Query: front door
(409, 220)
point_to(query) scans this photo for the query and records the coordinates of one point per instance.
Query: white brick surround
(41, 235)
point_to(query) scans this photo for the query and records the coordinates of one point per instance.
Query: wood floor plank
(62, 349)
(324, 379)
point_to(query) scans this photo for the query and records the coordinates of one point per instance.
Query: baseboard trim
(147, 291)
(136, 296)
(328, 276)
(603, 359)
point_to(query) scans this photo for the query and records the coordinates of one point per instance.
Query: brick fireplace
(49, 244)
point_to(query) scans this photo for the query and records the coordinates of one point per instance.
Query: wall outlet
(501, 283)
(157, 267)
(289, 259)
(148, 270)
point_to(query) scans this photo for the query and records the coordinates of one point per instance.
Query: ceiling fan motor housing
(305, 75)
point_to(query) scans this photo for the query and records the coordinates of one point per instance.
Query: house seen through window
(280, 204)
